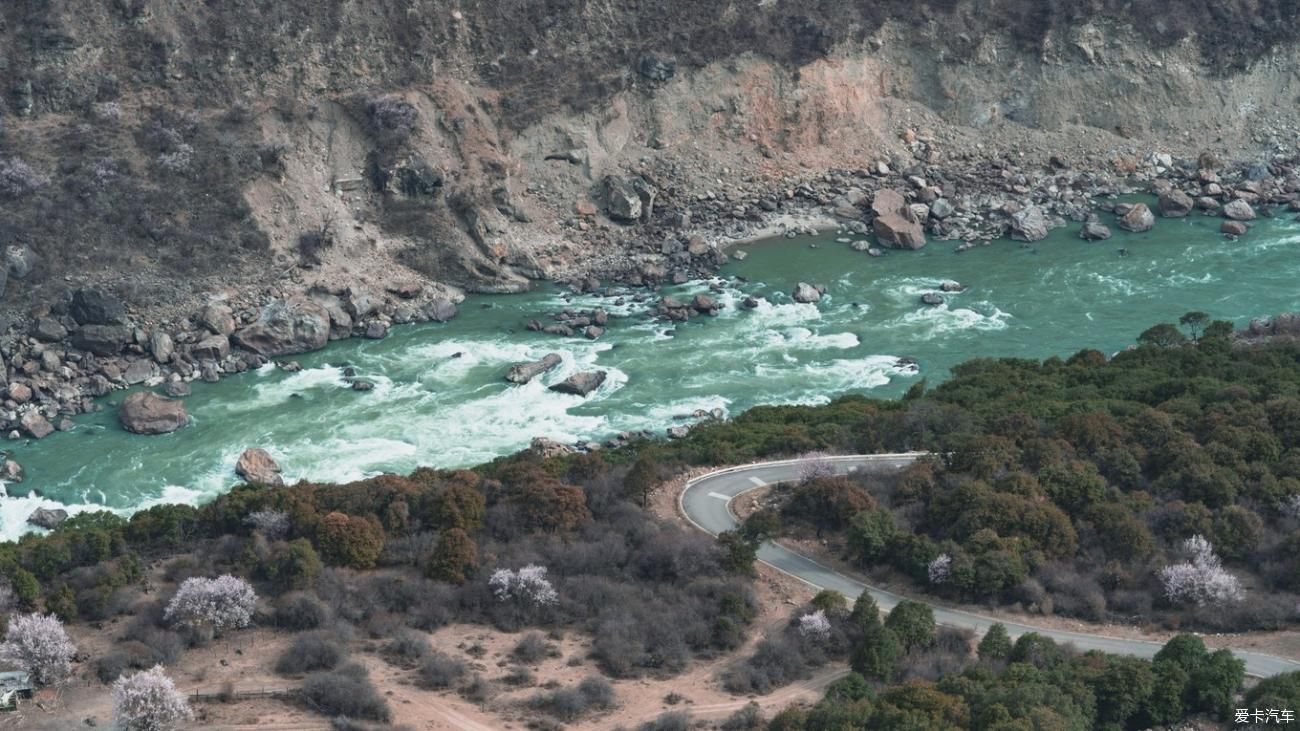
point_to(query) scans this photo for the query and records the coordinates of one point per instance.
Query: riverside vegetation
(1066, 486)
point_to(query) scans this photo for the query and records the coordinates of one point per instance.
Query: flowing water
(440, 398)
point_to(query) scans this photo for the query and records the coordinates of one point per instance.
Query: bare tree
(38, 644)
(148, 701)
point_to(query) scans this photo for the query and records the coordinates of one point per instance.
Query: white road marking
(757, 481)
(720, 496)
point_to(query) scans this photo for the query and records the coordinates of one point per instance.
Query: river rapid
(440, 398)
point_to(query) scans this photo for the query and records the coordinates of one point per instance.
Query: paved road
(706, 500)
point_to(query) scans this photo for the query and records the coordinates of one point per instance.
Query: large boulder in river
(11, 471)
(145, 412)
(258, 467)
(439, 310)
(1239, 210)
(525, 372)
(806, 293)
(1094, 231)
(895, 223)
(35, 423)
(102, 339)
(47, 518)
(580, 384)
(1029, 224)
(294, 326)
(1175, 204)
(93, 307)
(1139, 218)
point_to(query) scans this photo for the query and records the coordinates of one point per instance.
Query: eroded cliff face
(181, 150)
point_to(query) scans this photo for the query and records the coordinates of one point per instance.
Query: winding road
(706, 503)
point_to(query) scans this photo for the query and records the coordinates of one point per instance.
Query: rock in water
(580, 384)
(932, 298)
(145, 412)
(258, 467)
(895, 224)
(1239, 210)
(525, 372)
(1175, 204)
(1094, 231)
(1234, 228)
(297, 325)
(11, 471)
(1138, 219)
(1029, 224)
(806, 293)
(36, 424)
(46, 518)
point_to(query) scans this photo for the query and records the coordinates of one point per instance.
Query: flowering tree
(528, 585)
(940, 569)
(223, 602)
(148, 701)
(1201, 580)
(815, 466)
(37, 643)
(815, 626)
(274, 524)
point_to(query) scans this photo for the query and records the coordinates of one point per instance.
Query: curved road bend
(706, 503)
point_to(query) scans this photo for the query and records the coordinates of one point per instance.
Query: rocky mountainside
(370, 160)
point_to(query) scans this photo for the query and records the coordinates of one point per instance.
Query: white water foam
(941, 321)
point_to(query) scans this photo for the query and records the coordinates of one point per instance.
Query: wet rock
(951, 286)
(145, 412)
(895, 224)
(49, 329)
(1029, 224)
(545, 448)
(679, 432)
(749, 303)
(102, 339)
(1139, 218)
(1094, 231)
(806, 293)
(705, 305)
(376, 330)
(1234, 228)
(35, 424)
(592, 332)
(932, 299)
(360, 385)
(218, 318)
(558, 329)
(47, 518)
(297, 325)
(525, 372)
(1239, 210)
(177, 389)
(161, 346)
(1206, 203)
(93, 307)
(1175, 204)
(257, 466)
(11, 471)
(213, 347)
(439, 310)
(580, 384)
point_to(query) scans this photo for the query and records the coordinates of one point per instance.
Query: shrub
(347, 540)
(453, 558)
(18, 179)
(392, 118)
(311, 652)
(407, 649)
(345, 692)
(439, 670)
(274, 524)
(532, 649)
(748, 718)
(570, 704)
(670, 721)
(300, 611)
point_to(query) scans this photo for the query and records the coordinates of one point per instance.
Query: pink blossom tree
(1200, 580)
(815, 466)
(226, 602)
(148, 701)
(38, 644)
(528, 585)
(815, 626)
(940, 569)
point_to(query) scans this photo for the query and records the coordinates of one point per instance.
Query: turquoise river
(430, 407)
